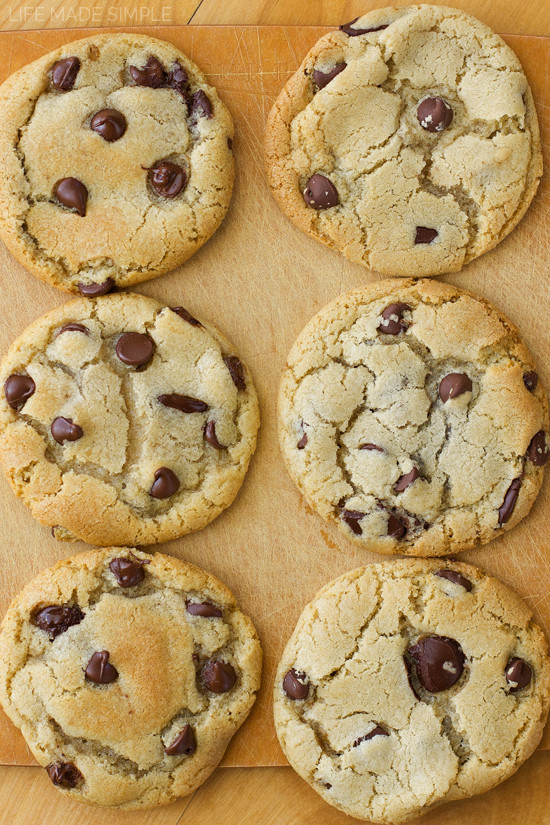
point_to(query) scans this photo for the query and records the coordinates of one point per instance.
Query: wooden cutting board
(260, 280)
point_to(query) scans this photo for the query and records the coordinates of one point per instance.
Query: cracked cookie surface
(179, 667)
(411, 415)
(124, 421)
(146, 138)
(380, 725)
(408, 140)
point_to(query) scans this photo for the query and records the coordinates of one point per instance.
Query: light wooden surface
(277, 794)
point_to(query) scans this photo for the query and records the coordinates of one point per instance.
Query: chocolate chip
(538, 450)
(73, 328)
(439, 662)
(302, 442)
(64, 774)
(236, 371)
(392, 322)
(210, 436)
(186, 316)
(199, 106)
(57, 618)
(409, 670)
(135, 348)
(152, 74)
(453, 385)
(167, 178)
(166, 483)
(346, 28)
(518, 674)
(93, 290)
(99, 670)
(72, 193)
(109, 123)
(205, 609)
(509, 502)
(320, 192)
(183, 403)
(128, 572)
(434, 114)
(322, 79)
(64, 429)
(377, 731)
(455, 577)
(64, 73)
(218, 676)
(372, 447)
(425, 235)
(396, 528)
(230, 144)
(352, 519)
(531, 379)
(406, 480)
(178, 79)
(18, 389)
(296, 685)
(184, 743)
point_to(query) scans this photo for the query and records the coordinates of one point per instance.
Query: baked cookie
(411, 415)
(128, 674)
(408, 684)
(408, 140)
(124, 421)
(117, 162)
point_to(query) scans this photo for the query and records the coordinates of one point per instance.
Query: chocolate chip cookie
(411, 415)
(408, 684)
(128, 674)
(124, 421)
(117, 162)
(408, 140)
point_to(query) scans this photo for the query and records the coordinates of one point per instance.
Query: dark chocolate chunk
(205, 609)
(64, 774)
(439, 662)
(211, 437)
(518, 674)
(296, 685)
(18, 389)
(531, 379)
(538, 450)
(320, 192)
(425, 235)
(236, 371)
(377, 731)
(509, 502)
(109, 123)
(73, 328)
(453, 385)
(406, 480)
(72, 193)
(369, 446)
(183, 403)
(128, 572)
(152, 74)
(352, 519)
(64, 429)
(322, 79)
(392, 322)
(455, 577)
(57, 618)
(434, 114)
(396, 528)
(135, 348)
(347, 28)
(218, 676)
(167, 178)
(199, 106)
(64, 73)
(93, 290)
(302, 442)
(178, 79)
(186, 316)
(99, 670)
(166, 483)
(184, 743)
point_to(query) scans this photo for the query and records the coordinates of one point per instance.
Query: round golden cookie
(408, 140)
(117, 162)
(411, 415)
(408, 684)
(128, 674)
(124, 421)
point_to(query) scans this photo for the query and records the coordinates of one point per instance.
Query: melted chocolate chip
(396, 528)
(302, 442)
(178, 79)
(372, 447)
(73, 328)
(509, 502)
(64, 73)
(183, 403)
(236, 371)
(184, 743)
(218, 676)
(406, 480)
(230, 144)
(206, 610)
(531, 379)
(210, 436)
(199, 106)
(72, 193)
(392, 322)
(57, 618)
(135, 348)
(322, 79)
(425, 235)
(439, 662)
(128, 572)
(93, 290)
(167, 178)
(453, 385)
(166, 483)
(186, 316)
(538, 450)
(352, 519)
(18, 389)
(377, 731)
(455, 577)
(64, 429)
(296, 685)
(99, 670)
(434, 114)
(518, 674)
(109, 123)
(152, 74)
(347, 28)
(64, 774)
(321, 193)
